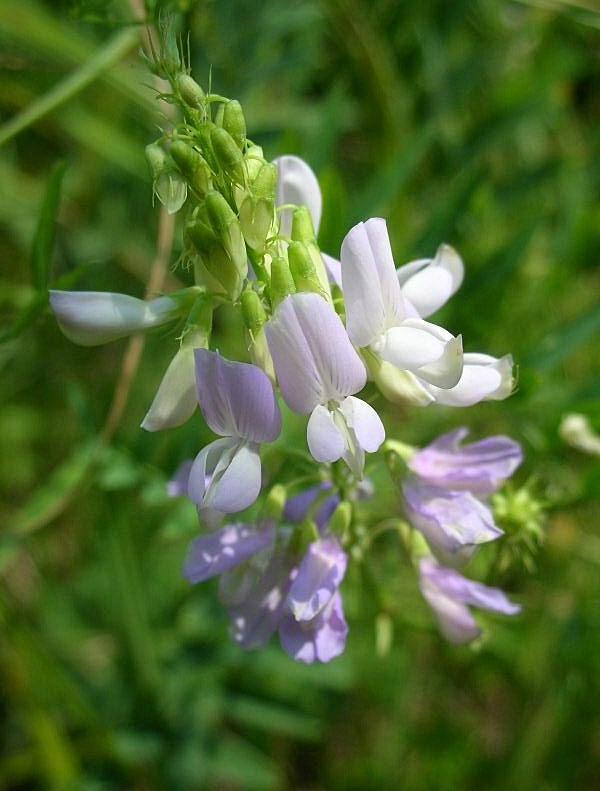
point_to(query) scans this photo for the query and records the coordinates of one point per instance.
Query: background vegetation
(475, 122)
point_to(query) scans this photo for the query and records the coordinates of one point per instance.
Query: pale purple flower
(238, 402)
(381, 319)
(318, 372)
(319, 640)
(178, 485)
(297, 507)
(453, 522)
(319, 576)
(214, 553)
(479, 467)
(450, 595)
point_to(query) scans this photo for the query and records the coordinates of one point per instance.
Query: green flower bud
(226, 260)
(302, 226)
(193, 166)
(157, 159)
(228, 154)
(264, 185)
(303, 269)
(254, 160)
(282, 282)
(234, 122)
(304, 535)
(203, 137)
(253, 313)
(219, 115)
(275, 502)
(189, 90)
(256, 219)
(340, 522)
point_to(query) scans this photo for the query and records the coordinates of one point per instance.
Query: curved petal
(319, 640)
(425, 349)
(325, 441)
(371, 289)
(430, 282)
(312, 354)
(91, 318)
(178, 485)
(319, 576)
(454, 619)
(216, 552)
(450, 521)
(236, 399)
(333, 268)
(480, 467)
(226, 476)
(297, 184)
(365, 422)
(484, 378)
(175, 400)
(466, 591)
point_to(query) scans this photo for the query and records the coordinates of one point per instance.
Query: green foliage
(474, 123)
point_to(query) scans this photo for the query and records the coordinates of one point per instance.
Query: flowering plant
(317, 330)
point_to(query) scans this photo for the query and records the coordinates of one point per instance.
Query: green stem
(104, 58)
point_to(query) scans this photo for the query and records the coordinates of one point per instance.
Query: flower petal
(333, 267)
(430, 282)
(480, 467)
(425, 349)
(319, 576)
(450, 521)
(484, 378)
(91, 318)
(220, 551)
(319, 640)
(313, 357)
(365, 422)
(175, 400)
(297, 184)
(178, 485)
(325, 441)
(258, 615)
(226, 476)
(369, 282)
(236, 399)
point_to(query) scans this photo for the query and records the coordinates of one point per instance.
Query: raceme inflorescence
(318, 330)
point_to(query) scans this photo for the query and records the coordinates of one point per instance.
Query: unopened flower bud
(303, 269)
(189, 90)
(254, 160)
(157, 159)
(234, 122)
(341, 519)
(253, 312)
(256, 219)
(282, 282)
(264, 184)
(193, 166)
(302, 226)
(275, 502)
(228, 154)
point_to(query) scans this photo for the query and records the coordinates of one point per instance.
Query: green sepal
(234, 122)
(227, 154)
(282, 282)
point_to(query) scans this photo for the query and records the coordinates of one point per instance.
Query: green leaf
(45, 232)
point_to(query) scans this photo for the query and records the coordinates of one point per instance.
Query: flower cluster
(318, 329)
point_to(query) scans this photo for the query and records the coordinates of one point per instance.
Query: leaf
(45, 232)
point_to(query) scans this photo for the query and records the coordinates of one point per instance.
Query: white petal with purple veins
(312, 354)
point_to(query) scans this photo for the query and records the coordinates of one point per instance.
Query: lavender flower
(480, 467)
(238, 402)
(318, 372)
(450, 595)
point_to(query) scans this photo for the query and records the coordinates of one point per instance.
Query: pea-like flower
(238, 403)
(479, 467)
(91, 318)
(319, 371)
(379, 319)
(450, 595)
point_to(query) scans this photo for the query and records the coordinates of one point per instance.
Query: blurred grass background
(473, 122)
